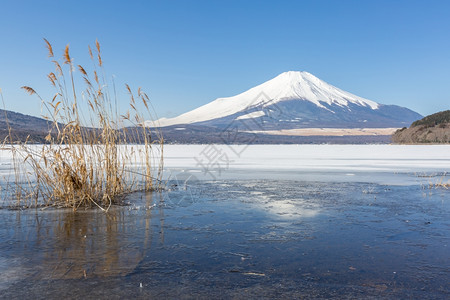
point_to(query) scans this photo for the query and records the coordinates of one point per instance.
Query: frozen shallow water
(312, 222)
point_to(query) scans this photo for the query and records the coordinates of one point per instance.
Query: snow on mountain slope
(290, 85)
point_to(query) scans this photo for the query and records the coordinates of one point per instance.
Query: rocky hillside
(434, 128)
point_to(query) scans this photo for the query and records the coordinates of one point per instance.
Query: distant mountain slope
(434, 128)
(22, 126)
(36, 129)
(295, 100)
(197, 134)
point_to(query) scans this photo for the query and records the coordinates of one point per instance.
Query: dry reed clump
(91, 158)
(440, 184)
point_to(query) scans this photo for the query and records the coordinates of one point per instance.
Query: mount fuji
(294, 100)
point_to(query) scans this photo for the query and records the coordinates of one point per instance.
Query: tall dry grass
(94, 155)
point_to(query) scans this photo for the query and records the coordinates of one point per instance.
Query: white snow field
(389, 164)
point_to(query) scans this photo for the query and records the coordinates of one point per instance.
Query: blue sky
(188, 53)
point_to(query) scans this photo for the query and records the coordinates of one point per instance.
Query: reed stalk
(94, 155)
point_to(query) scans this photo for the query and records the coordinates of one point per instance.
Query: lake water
(249, 222)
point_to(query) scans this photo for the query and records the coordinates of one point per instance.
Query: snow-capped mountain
(294, 100)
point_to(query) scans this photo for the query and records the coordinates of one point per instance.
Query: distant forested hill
(434, 128)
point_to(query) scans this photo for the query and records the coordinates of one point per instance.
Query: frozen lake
(389, 164)
(291, 221)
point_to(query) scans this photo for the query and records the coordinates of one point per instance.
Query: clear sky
(188, 53)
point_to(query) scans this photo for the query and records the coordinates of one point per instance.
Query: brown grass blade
(52, 78)
(90, 52)
(49, 48)
(66, 55)
(58, 67)
(82, 70)
(100, 62)
(29, 90)
(97, 44)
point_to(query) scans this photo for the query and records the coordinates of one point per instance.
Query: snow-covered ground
(392, 164)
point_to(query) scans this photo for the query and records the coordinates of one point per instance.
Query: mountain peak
(299, 88)
(296, 73)
(297, 76)
(305, 86)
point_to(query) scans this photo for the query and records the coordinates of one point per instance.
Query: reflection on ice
(270, 200)
(64, 244)
(289, 210)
